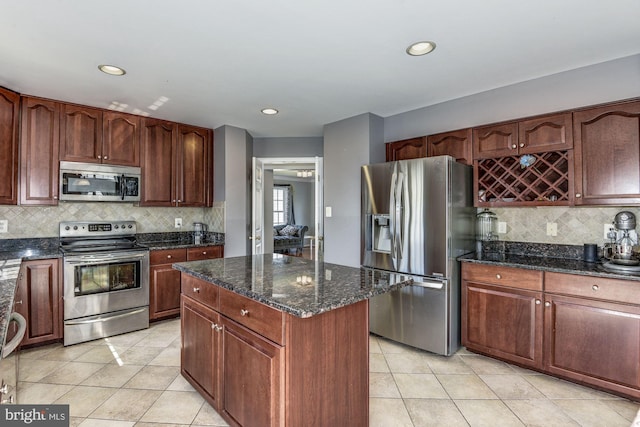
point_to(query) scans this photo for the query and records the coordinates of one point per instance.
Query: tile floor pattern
(134, 380)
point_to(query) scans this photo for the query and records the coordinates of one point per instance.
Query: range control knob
(116, 226)
(66, 227)
(75, 227)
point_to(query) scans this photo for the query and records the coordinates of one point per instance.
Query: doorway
(299, 175)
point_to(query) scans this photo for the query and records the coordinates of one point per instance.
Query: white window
(280, 197)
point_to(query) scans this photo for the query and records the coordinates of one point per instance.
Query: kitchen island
(277, 340)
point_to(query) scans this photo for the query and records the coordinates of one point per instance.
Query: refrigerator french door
(417, 218)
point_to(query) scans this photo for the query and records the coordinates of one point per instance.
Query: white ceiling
(318, 61)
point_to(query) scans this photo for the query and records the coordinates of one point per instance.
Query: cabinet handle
(169, 257)
(595, 287)
(513, 147)
(578, 195)
(498, 276)
(196, 290)
(244, 312)
(538, 302)
(547, 304)
(18, 302)
(216, 327)
(521, 144)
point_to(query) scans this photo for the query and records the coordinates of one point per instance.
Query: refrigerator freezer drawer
(417, 315)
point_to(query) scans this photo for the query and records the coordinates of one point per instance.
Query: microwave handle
(122, 186)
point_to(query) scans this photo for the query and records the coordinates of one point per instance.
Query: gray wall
(232, 158)
(348, 145)
(608, 81)
(287, 147)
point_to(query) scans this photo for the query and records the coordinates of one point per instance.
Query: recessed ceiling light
(421, 48)
(112, 69)
(269, 111)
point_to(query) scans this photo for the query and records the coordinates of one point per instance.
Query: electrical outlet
(4, 226)
(552, 229)
(178, 223)
(502, 227)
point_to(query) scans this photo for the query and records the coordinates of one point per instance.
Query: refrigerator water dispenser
(381, 234)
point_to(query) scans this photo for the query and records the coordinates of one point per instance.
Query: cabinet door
(81, 134)
(39, 147)
(256, 397)
(158, 163)
(38, 300)
(595, 342)
(412, 148)
(121, 133)
(548, 133)
(193, 167)
(456, 144)
(200, 332)
(607, 155)
(503, 322)
(9, 113)
(164, 292)
(495, 141)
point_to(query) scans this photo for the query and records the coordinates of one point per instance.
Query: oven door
(100, 283)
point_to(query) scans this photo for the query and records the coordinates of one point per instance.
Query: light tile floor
(134, 380)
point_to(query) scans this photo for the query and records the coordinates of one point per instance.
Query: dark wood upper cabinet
(39, 148)
(121, 139)
(495, 141)
(456, 144)
(159, 139)
(194, 166)
(405, 149)
(9, 116)
(81, 134)
(92, 135)
(607, 154)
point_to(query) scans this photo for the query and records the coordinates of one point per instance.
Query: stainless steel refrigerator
(417, 218)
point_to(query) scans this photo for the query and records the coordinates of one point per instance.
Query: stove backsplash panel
(37, 222)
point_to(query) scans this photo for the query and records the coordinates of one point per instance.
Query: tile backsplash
(32, 221)
(576, 225)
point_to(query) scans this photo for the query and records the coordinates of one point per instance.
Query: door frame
(275, 162)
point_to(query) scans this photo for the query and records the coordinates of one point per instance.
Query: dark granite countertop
(535, 259)
(178, 240)
(279, 281)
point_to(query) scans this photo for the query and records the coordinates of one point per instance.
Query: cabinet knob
(216, 327)
(547, 304)
(595, 287)
(578, 195)
(55, 197)
(196, 290)
(18, 302)
(538, 302)
(99, 157)
(204, 252)
(169, 257)
(174, 200)
(105, 157)
(244, 312)
(513, 146)
(521, 144)
(498, 276)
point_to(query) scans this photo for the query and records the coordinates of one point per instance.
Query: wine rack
(503, 181)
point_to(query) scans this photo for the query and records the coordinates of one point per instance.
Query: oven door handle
(104, 319)
(74, 260)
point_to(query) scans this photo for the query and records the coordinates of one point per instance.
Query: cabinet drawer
(204, 252)
(256, 316)
(201, 291)
(167, 256)
(624, 291)
(503, 276)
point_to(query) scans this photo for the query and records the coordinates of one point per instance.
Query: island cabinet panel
(276, 369)
(607, 155)
(200, 348)
(253, 378)
(9, 116)
(594, 342)
(39, 152)
(456, 144)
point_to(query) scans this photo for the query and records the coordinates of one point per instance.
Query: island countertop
(297, 286)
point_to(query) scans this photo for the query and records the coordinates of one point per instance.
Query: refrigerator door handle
(399, 216)
(392, 218)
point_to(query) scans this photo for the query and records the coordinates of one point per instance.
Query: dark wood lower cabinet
(594, 342)
(316, 374)
(503, 322)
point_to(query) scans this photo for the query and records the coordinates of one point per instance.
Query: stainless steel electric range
(105, 279)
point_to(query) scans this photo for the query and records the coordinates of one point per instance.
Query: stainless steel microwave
(88, 182)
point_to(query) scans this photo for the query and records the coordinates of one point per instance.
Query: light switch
(327, 211)
(552, 229)
(4, 226)
(502, 227)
